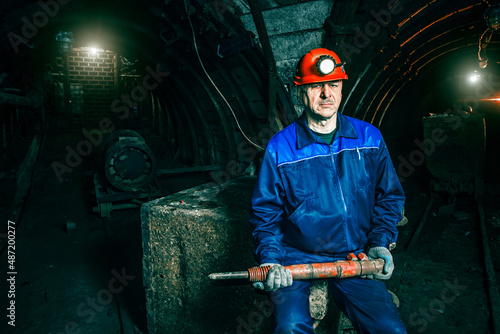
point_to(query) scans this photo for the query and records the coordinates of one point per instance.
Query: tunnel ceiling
(396, 51)
(390, 48)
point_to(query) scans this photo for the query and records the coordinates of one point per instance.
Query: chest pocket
(358, 169)
(300, 181)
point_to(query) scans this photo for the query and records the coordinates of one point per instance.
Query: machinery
(336, 269)
(129, 164)
(455, 151)
(127, 173)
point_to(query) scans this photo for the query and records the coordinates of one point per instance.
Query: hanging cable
(213, 83)
(483, 43)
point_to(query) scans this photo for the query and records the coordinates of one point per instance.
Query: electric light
(326, 65)
(474, 77)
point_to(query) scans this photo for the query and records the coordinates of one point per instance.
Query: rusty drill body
(337, 269)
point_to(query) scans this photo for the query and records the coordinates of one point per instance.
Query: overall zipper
(342, 196)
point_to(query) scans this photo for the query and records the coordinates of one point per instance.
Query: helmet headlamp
(325, 65)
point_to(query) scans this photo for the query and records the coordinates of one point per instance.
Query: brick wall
(92, 79)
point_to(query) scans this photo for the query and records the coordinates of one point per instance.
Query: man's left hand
(384, 254)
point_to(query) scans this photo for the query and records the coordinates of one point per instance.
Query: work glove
(278, 277)
(384, 254)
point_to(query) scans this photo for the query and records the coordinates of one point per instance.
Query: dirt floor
(77, 272)
(441, 284)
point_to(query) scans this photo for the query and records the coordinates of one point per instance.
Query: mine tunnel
(133, 133)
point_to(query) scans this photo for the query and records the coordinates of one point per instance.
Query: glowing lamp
(325, 65)
(474, 77)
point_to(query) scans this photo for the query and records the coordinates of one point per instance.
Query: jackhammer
(337, 269)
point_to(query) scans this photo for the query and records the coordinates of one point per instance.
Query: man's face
(322, 100)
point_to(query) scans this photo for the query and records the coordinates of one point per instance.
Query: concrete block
(318, 299)
(187, 236)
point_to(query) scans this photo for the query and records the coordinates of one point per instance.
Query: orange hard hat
(319, 65)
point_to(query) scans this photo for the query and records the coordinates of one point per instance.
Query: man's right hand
(278, 277)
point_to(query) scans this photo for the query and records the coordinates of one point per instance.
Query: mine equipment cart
(455, 151)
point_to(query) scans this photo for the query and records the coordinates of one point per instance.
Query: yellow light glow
(94, 50)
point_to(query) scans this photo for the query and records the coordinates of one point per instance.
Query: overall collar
(306, 137)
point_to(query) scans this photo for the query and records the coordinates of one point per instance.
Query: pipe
(31, 99)
(260, 25)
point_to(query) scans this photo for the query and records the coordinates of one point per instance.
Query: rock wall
(293, 30)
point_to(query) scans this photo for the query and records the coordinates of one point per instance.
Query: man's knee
(293, 316)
